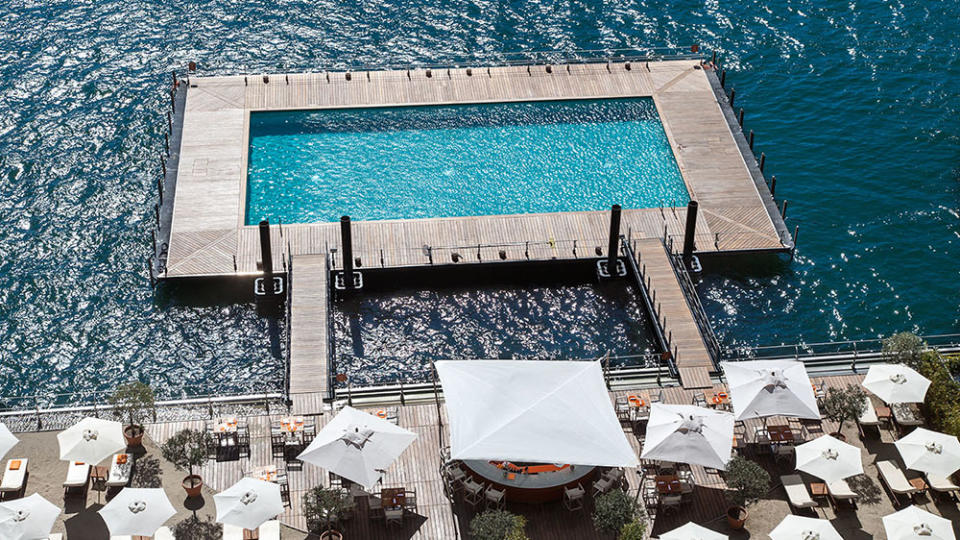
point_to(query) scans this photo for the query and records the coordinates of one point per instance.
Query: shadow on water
(740, 266)
(203, 292)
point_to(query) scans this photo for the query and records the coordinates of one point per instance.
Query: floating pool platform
(205, 233)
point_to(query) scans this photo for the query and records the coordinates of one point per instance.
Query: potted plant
(635, 530)
(746, 482)
(196, 528)
(322, 508)
(186, 450)
(842, 404)
(613, 510)
(498, 525)
(132, 402)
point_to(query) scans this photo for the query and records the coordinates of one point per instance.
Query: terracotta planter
(331, 535)
(133, 435)
(192, 484)
(736, 517)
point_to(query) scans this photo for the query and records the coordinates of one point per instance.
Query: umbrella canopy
(358, 446)
(896, 383)
(689, 434)
(533, 411)
(7, 440)
(804, 528)
(932, 452)
(763, 388)
(248, 503)
(912, 523)
(91, 440)
(829, 459)
(692, 531)
(30, 518)
(137, 511)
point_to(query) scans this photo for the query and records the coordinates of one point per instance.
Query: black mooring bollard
(763, 160)
(740, 118)
(733, 95)
(723, 79)
(347, 246)
(266, 254)
(613, 248)
(751, 139)
(690, 231)
(773, 186)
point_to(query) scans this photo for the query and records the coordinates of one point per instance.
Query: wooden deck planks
(309, 346)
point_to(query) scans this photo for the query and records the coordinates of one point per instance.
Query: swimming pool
(463, 160)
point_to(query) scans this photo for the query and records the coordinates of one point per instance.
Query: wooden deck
(418, 468)
(208, 236)
(309, 344)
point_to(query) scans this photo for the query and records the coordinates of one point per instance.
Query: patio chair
(622, 406)
(394, 517)
(454, 475)
(14, 478)
(896, 482)
(868, 418)
(670, 503)
(573, 498)
(840, 491)
(700, 399)
(656, 398)
(821, 390)
(410, 500)
(278, 445)
(784, 452)
(473, 492)
(797, 494)
(374, 507)
(78, 475)
(615, 475)
(495, 498)
(666, 468)
(943, 486)
(603, 485)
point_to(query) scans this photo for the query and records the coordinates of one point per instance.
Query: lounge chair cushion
(232, 532)
(270, 530)
(941, 484)
(797, 491)
(13, 480)
(894, 478)
(869, 416)
(77, 474)
(841, 490)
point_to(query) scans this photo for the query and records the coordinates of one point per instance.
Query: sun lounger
(164, 533)
(56, 536)
(78, 474)
(840, 491)
(869, 417)
(269, 530)
(119, 472)
(892, 476)
(942, 485)
(797, 492)
(14, 477)
(905, 415)
(232, 532)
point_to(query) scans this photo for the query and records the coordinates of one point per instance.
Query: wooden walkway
(418, 468)
(209, 237)
(309, 330)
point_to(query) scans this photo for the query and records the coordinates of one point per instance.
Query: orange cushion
(14, 464)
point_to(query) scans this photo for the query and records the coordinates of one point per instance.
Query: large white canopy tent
(532, 411)
(689, 434)
(762, 388)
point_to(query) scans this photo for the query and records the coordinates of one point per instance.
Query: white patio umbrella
(30, 518)
(829, 459)
(804, 528)
(358, 446)
(248, 503)
(91, 440)
(762, 388)
(932, 452)
(689, 434)
(912, 523)
(692, 531)
(896, 383)
(7, 440)
(137, 511)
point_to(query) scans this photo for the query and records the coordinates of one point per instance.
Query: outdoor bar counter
(529, 482)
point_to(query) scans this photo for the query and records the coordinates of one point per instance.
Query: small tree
(498, 525)
(613, 510)
(842, 404)
(747, 481)
(904, 348)
(187, 449)
(132, 402)
(635, 530)
(195, 528)
(322, 507)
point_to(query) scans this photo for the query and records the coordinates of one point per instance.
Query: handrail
(807, 350)
(633, 258)
(693, 302)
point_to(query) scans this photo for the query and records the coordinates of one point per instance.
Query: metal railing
(693, 302)
(856, 347)
(637, 269)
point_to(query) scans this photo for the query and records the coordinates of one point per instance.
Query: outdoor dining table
(267, 473)
(393, 498)
(226, 425)
(780, 434)
(639, 407)
(668, 484)
(718, 399)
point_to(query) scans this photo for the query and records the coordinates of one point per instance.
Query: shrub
(322, 507)
(498, 525)
(132, 402)
(941, 407)
(747, 481)
(613, 510)
(904, 348)
(187, 449)
(195, 528)
(842, 404)
(635, 530)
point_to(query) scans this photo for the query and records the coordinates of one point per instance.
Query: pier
(206, 234)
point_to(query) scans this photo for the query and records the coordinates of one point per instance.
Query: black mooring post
(690, 231)
(347, 246)
(613, 249)
(266, 254)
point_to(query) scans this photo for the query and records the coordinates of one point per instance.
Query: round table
(540, 482)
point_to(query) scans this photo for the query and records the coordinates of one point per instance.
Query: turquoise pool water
(464, 160)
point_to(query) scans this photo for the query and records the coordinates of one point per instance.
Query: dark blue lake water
(854, 103)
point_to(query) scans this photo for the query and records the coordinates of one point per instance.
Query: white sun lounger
(797, 492)
(869, 417)
(270, 530)
(119, 472)
(14, 481)
(942, 485)
(840, 491)
(232, 532)
(78, 474)
(905, 415)
(892, 476)
(163, 533)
